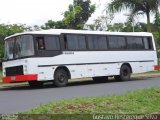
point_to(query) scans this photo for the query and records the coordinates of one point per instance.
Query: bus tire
(125, 73)
(100, 79)
(35, 84)
(60, 78)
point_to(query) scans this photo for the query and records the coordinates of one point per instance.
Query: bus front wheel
(60, 78)
(125, 73)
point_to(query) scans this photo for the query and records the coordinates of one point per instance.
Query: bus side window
(148, 43)
(40, 43)
(117, 42)
(135, 43)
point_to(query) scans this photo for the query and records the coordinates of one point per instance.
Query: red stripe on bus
(20, 78)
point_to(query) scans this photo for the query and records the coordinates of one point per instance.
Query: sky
(37, 12)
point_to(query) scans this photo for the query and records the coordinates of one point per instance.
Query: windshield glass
(18, 47)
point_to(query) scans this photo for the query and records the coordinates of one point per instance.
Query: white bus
(62, 55)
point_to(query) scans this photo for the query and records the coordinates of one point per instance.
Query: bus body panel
(87, 64)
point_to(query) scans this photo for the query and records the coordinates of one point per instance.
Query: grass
(139, 102)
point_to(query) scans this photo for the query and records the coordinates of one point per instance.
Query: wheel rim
(61, 78)
(125, 72)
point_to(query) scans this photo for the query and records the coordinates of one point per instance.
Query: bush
(158, 53)
(0, 66)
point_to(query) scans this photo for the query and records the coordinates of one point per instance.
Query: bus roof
(60, 31)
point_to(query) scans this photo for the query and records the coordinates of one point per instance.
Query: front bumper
(20, 78)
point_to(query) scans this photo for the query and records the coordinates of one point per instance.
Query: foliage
(74, 18)
(35, 28)
(1, 50)
(101, 22)
(78, 14)
(139, 27)
(141, 102)
(6, 30)
(117, 27)
(54, 25)
(157, 22)
(126, 27)
(157, 28)
(0, 75)
(158, 54)
(136, 7)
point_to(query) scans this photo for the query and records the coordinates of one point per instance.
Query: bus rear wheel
(60, 78)
(125, 73)
(35, 84)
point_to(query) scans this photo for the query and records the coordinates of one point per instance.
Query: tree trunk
(148, 22)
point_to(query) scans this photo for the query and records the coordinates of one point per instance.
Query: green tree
(116, 27)
(143, 26)
(54, 25)
(101, 22)
(126, 27)
(74, 18)
(78, 14)
(157, 29)
(136, 7)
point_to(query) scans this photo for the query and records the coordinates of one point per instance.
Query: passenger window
(76, 42)
(97, 42)
(147, 43)
(135, 43)
(48, 43)
(52, 43)
(116, 42)
(40, 43)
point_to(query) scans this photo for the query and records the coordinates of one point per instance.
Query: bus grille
(13, 71)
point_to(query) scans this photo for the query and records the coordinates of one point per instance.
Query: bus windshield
(19, 47)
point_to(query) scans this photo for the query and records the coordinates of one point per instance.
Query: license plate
(13, 78)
